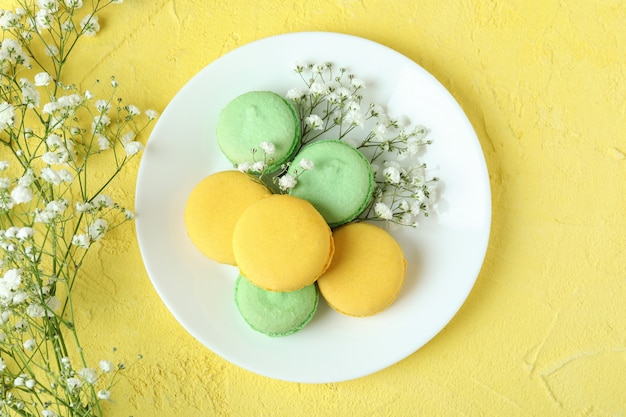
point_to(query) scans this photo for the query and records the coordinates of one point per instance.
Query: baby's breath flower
(90, 25)
(7, 115)
(306, 164)
(151, 114)
(89, 375)
(132, 148)
(244, 166)
(268, 147)
(133, 110)
(73, 383)
(286, 182)
(104, 394)
(295, 94)
(81, 241)
(383, 211)
(258, 166)
(314, 122)
(74, 4)
(21, 194)
(103, 106)
(97, 229)
(392, 175)
(106, 366)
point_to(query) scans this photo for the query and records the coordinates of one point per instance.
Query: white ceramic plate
(445, 254)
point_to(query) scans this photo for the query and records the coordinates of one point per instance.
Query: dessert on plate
(340, 185)
(213, 208)
(256, 117)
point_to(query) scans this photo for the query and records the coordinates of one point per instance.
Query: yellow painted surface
(543, 333)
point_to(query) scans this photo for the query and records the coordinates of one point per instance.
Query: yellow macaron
(282, 243)
(366, 273)
(213, 208)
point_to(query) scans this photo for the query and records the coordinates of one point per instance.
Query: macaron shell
(275, 313)
(255, 117)
(367, 271)
(213, 208)
(281, 243)
(341, 183)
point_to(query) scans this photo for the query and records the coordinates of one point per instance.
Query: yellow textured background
(543, 333)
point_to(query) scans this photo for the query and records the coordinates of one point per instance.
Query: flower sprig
(280, 181)
(54, 205)
(329, 100)
(330, 104)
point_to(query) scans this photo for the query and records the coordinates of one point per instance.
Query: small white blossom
(103, 106)
(106, 366)
(51, 107)
(30, 94)
(99, 123)
(314, 122)
(19, 297)
(391, 175)
(306, 164)
(357, 83)
(104, 394)
(43, 19)
(383, 211)
(97, 229)
(103, 142)
(132, 148)
(21, 194)
(51, 176)
(50, 5)
(258, 166)
(12, 279)
(42, 79)
(18, 381)
(152, 114)
(90, 25)
(9, 20)
(133, 110)
(244, 167)
(81, 240)
(74, 4)
(287, 182)
(25, 233)
(48, 413)
(103, 200)
(3, 365)
(83, 207)
(70, 101)
(268, 148)
(89, 375)
(73, 383)
(35, 310)
(295, 94)
(7, 115)
(4, 165)
(30, 383)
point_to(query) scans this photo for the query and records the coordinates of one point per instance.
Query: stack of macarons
(291, 248)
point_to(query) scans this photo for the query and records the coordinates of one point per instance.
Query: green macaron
(275, 313)
(341, 183)
(253, 118)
